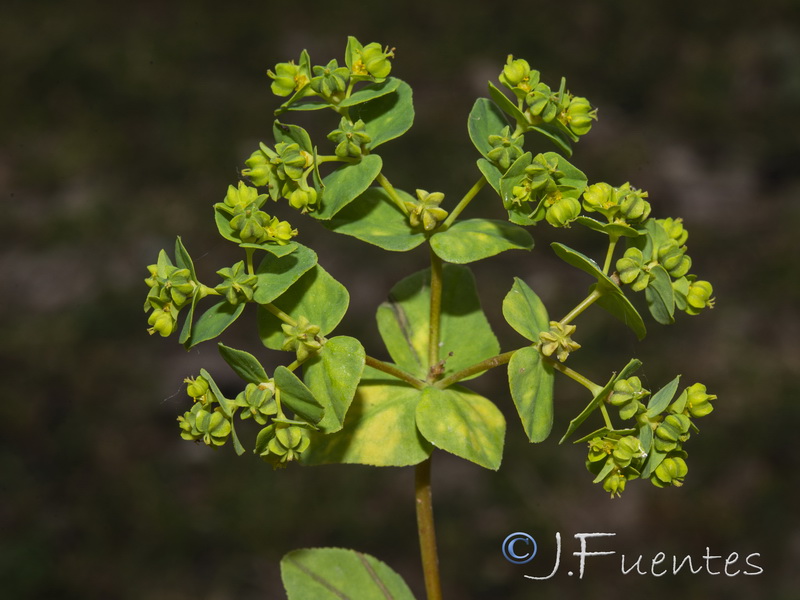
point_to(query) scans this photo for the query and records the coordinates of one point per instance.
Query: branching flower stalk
(332, 402)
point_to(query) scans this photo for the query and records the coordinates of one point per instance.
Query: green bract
(328, 397)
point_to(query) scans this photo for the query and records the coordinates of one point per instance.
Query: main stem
(422, 474)
(426, 530)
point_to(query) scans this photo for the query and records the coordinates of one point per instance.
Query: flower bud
(674, 229)
(505, 149)
(197, 387)
(579, 115)
(258, 402)
(600, 197)
(330, 81)
(699, 297)
(515, 72)
(288, 78)
(627, 449)
(615, 483)
(674, 259)
(558, 341)
(249, 223)
(303, 199)
(243, 196)
(627, 395)
(281, 443)
(292, 161)
(302, 337)
(163, 320)
(237, 285)
(541, 103)
(563, 211)
(632, 270)
(698, 402)
(671, 432)
(281, 231)
(671, 471)
(632, 204)
(350, 138)
(376, 60)
(425, 211)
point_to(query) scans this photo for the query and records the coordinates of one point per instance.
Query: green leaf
(572, 177)
(626, 372)
(374, 218)
(340, 574)
(183, 260)
(379, 429)
(661, 399)
(463, 423)
(492, 174)
(611, 229)
(464, 333)
(273, 248)
(213, 322)
(654, 458)
(297, 397)
(558, 134)
(303, 103)
(316, 295)
(582, 262)
(387, 117)
(332, 375)
(513, 177)
(347, 183)
(292, 134)
(660, 296)
(244, 364)
(371, 92)
(476, 239)
(531, 383)
(237, 445)
(227, 406)
(485, 119)
(186, 330)
(525, 312)
(507, 105)
(276, 274)
(613, 299)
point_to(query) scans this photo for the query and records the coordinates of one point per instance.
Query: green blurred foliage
(125, 123)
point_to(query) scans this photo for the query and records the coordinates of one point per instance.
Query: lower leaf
(340, 574)
(463, 423)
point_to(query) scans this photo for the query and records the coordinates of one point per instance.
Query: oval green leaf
(660, 296)
(531, 383)
(244, 364)
(379, 428)
(213, 322)
(332, 375)
(387, 117)
(524, 311)
(464, 333)
(371, 92)
(340, 574)
(297, 397)
(345, 184)
(276, 274)
(476, 239)
(316, 296)
(463, 423)
(484, 119)
(374, 218)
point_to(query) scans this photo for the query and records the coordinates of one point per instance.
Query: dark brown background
(123, 123)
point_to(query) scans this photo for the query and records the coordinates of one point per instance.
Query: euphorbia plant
(332, 401)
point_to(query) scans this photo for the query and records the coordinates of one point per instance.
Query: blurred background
(123, 123)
